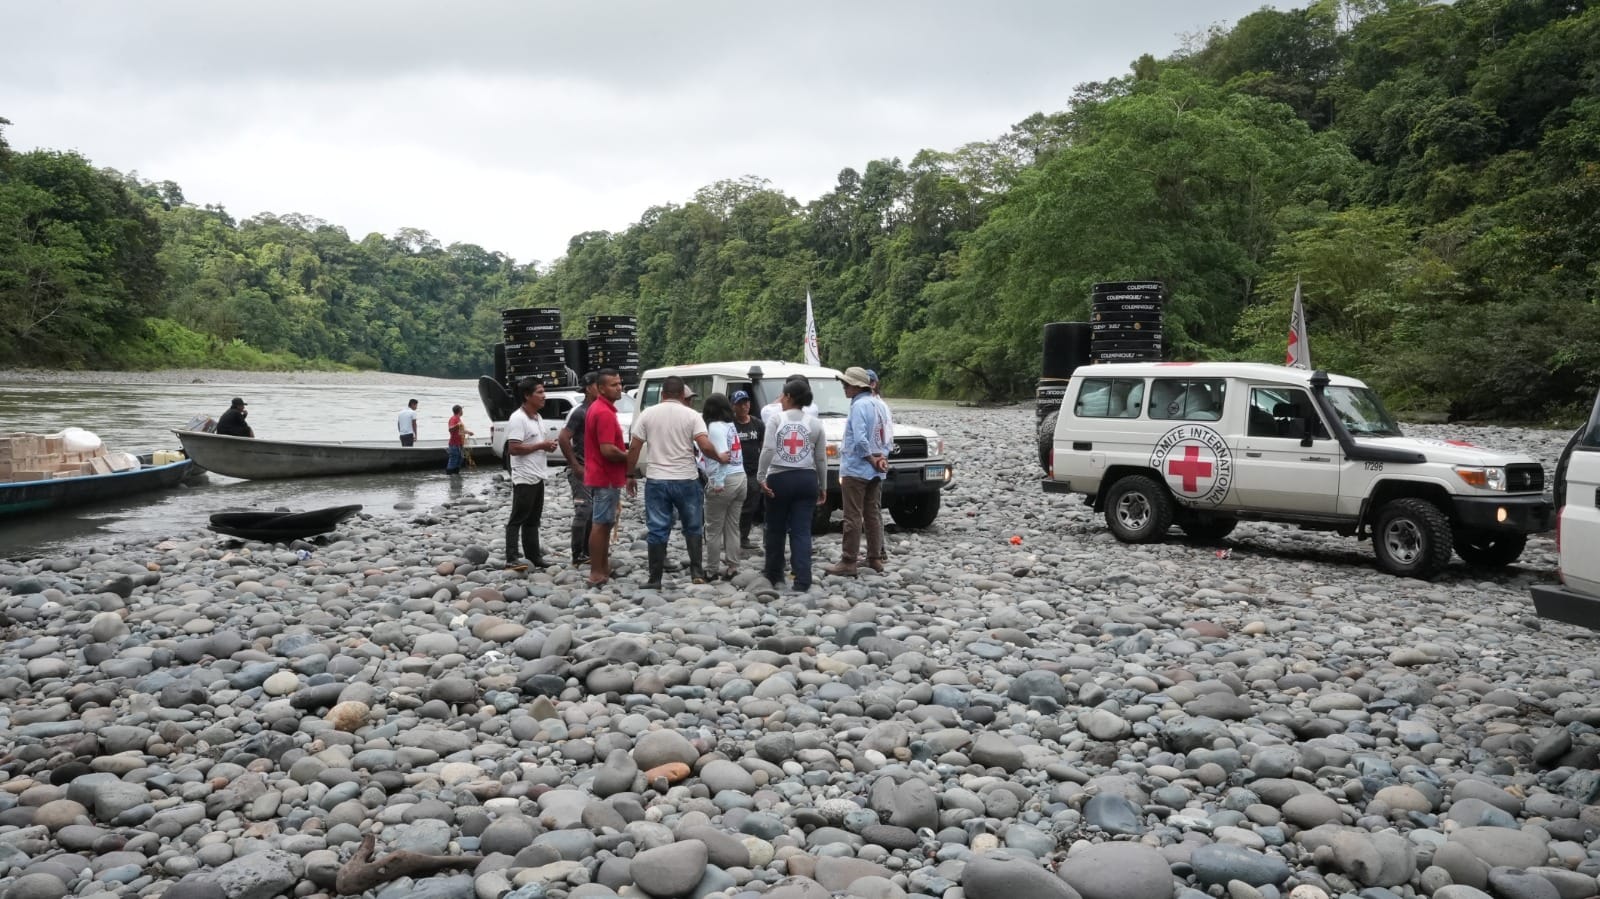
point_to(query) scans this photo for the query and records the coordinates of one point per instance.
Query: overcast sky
(517, 124)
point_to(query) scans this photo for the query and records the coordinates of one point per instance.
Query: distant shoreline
(215, 376)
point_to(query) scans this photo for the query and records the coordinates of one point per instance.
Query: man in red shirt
(456, 453)
(605, 471)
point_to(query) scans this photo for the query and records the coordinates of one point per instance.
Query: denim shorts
(607, 503)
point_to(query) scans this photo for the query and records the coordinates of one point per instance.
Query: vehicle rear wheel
(1490, 550)
(1047, 439)
(1207, 526)
(820, 517)
(1412, 538)
(915, 512)
(1138, 509)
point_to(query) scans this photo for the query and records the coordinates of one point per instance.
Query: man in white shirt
(667, 434)
(408, 424)
(529, 452)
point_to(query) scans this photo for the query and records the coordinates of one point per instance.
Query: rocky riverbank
(1056, 717)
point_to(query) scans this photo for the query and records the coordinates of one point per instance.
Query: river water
(137, 417)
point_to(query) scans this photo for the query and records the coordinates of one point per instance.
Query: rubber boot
(535, 554)
(697, 568)
(658, 563)
(580, 544)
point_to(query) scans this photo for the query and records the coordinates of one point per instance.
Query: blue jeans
(664, 498)
(453, 459)
(789, 515)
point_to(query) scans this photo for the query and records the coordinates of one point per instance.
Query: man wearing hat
(863, 463)
(752, 434)
(232, 423)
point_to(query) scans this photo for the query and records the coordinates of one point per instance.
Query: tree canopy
(1428, 172)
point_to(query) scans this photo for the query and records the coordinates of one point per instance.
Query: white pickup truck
(1576, 599)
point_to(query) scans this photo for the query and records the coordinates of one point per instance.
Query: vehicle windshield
(1362, 412)
(827, 396)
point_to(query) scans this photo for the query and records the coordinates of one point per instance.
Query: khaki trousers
(863, 511)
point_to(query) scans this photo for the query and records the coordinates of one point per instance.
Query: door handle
(1258, 455)
(1315, 459)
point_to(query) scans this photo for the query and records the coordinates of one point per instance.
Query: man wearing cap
(752, 433)
(667, 434)
(232, 422)
(571, 440)
(863, 463)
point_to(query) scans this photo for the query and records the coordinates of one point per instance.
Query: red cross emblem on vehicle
(1196, 463)
(1190, 468)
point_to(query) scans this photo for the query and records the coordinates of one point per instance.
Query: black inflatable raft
(280, 527)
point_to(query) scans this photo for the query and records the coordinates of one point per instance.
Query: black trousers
(527, 508)
(754, 508)
(408, 439)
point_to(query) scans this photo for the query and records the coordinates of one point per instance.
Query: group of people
(712, 473)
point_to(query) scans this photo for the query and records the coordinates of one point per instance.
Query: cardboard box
(32, 475)
(122, 463)
(67, 473)
(99, 465)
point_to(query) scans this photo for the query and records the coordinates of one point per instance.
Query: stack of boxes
(34, 457)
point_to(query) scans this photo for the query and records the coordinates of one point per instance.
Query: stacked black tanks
(614, 343)
(1125, 321)
(534, 347)
(1066, 346)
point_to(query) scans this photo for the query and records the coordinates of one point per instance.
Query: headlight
(1483, 477)
(938, 446)
(833, 450)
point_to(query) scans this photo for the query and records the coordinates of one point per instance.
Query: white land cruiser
(1577, 490)
(918, 469)
(558, 404)
(1203, 445)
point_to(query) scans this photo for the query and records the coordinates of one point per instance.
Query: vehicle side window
(1275, 411)
(650, 395)
(1186, 399)
(1110, 398)
(702, 389)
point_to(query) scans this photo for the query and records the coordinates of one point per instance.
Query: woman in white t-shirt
(725, 488)
(794, 475)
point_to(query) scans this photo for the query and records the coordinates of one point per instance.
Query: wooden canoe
(253, 458)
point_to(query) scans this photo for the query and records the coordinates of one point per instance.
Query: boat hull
(280, 527)
(24, 497)
(256, 459)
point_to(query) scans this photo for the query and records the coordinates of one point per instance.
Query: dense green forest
(1429, 172)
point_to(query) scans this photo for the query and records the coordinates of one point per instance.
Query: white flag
(1299, 353)
(813, 354)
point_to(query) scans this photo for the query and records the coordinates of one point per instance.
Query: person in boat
(232, 423)
(408, 424)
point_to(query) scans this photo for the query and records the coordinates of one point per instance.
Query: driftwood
(362, 872)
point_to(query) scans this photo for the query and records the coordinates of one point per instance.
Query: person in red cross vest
(794, 476)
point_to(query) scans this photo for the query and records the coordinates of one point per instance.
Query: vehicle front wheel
(915, 512)
(1490, 550)
(1138, 510)
(1412, 538)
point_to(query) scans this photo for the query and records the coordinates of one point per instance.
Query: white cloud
(515, 125)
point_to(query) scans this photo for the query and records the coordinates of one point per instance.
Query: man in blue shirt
(863, 462)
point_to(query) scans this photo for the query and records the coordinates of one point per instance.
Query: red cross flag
(1299, 352)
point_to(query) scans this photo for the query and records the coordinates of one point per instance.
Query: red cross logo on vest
(1190, 468)
(793, 442)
